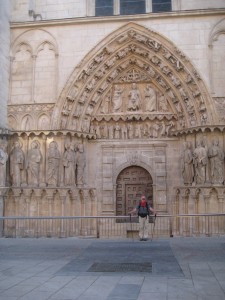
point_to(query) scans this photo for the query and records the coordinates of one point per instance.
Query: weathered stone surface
(125, 111)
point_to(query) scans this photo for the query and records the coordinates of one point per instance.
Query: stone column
(3, 193)
(17, 195)
(221, 220)
(192, 210)
(34, 57)
(182, 211)
(4, 60)
(206, 197)
(116, 7)
(83, 198)
(92, 193)
(90, 8)
(176, 5)
(63, 196)
(40, 224)
(50, 198)
(148, 6)
(75, 211)
(175, 212)
(27, 197)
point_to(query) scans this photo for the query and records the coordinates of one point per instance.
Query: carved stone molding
(29, 117)
(134, 55)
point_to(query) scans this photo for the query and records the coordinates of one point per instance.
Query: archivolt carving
(134, 56)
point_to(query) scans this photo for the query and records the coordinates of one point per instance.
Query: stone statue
(3, 160)
(111, 131)
(130, 129)
(137, 130)
(124, 131)
(117, 100)
(53, 160)
(16, 163)
(200, 162)
(34, 158)
(150, 98)
(155, 130)
(69, 165)
(187, 164)
(134, 98)
(216, 157)
(117, 131)
(80, 164)
(163, 104)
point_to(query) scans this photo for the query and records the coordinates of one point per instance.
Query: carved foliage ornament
(155, 60)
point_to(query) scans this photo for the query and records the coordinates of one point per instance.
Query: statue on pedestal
(3, 160)
(34, 158)
(187, 164)
(53, 159)
(80, 164)
(216, 157)
(16, 163)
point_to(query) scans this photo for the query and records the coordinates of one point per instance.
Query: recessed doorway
(131, 183)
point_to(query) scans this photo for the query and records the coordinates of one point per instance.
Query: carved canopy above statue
(134, 74)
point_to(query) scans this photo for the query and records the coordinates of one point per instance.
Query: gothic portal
(126, 120)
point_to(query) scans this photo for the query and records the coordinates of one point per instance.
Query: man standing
(143, 209)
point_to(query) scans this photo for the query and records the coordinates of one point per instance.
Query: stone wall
(29, 10)
(131, 91)
(4, 61)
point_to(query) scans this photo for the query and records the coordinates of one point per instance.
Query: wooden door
(132, 182)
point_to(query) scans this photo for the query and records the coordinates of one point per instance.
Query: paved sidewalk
(92, 269)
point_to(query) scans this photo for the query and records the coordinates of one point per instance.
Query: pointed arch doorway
(131, 183)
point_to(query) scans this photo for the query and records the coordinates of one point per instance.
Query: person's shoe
(141, 239)
(144, 240)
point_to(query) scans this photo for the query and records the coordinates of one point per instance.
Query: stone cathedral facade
(102, 109)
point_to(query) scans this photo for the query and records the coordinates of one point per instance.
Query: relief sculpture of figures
(163, 104)
(16, 163)
(117, 100)
(187, 164)
(80, 164)
(34, 158)
(134, 98)
(69, 165)
(53, 160)
(150, 98)
(200, 162)
(216, 157)
(3, 160)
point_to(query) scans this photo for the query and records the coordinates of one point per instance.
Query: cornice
(198, 129)
(107, 19)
